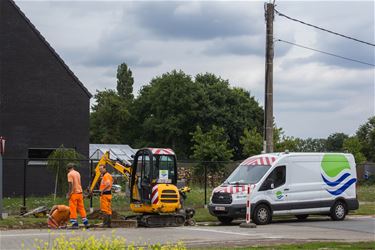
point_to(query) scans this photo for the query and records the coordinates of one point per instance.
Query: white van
(297, 184)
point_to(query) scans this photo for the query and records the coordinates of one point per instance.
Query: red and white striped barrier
(248, 205)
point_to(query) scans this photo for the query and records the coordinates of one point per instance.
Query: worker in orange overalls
(75, 196)
(106, 195)
(58, 217)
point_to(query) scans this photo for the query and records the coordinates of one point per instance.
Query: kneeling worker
(58, 217)
(106, 195)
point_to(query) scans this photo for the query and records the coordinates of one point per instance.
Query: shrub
(103, 243)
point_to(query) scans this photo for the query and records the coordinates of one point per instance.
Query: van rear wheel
(225, 220)
(338, 211)
(302, 216)
(262, 215)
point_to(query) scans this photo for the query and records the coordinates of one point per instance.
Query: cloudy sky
(314, 94)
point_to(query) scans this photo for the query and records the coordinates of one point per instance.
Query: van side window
(277, 177)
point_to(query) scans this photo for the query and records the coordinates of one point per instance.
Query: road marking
(32, 234)
(222, 232)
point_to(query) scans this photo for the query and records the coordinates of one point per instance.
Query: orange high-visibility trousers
(76, 203)
(105, 203)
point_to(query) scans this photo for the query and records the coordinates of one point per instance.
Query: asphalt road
(284, 231)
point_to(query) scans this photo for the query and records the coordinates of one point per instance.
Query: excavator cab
(152, 167)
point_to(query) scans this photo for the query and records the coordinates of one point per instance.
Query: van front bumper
(228, 210)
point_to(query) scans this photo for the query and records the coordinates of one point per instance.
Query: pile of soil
(98, 215)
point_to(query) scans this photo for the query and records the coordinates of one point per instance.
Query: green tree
(108, 118)
(311, 145)
(281, 142)
(172, 105)
(335, 142)
(166, 111)
(354, 146)
(57, 162)
(287, 143)
(233, 108)
(125, 82)
(252, 142)
(211, 147)
(366, 135)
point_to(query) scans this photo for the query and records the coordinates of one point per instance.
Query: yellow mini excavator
(154, 195)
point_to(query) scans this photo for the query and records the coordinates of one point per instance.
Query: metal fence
(25, 178)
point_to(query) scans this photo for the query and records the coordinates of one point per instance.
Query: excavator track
(159, 220)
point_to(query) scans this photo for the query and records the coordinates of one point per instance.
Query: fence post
(91, 165)
(205, 185)
(2, 149)
(1, 185)
(23, 208)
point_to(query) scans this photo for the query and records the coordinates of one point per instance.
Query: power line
(329, 31)
(327, 53)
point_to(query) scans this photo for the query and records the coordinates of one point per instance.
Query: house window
(39, 156)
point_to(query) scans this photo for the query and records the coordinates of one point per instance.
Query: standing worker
(75, 196)
(105, 195)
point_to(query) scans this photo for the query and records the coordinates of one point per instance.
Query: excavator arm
(105, 160)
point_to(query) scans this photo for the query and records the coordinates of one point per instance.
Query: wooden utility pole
(268, 98)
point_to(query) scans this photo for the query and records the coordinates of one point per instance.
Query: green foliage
(108, 118)
(80, 242)
(57, 162)
(311, 145)
(366, 136)
(335, 142)
(165, 112)
(282, 142)
(125, 82)
(233, 108)
(366, 194)
(354, 146)
(168, 110)
(287, 143)
(252, 142)
(211, 147)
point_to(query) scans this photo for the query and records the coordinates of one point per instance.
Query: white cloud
(315, 95)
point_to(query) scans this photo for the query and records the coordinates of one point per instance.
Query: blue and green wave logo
(279, 195)
(336, 173)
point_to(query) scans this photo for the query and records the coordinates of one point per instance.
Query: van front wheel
(338, 211)
(262, 215)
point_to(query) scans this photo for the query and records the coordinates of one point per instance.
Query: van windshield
(247, 174)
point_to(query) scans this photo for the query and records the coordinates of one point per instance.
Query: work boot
(86, 222)
(74, 224)
(109, 220)
(105, 220)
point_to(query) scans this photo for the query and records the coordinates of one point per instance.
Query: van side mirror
(267, 184)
